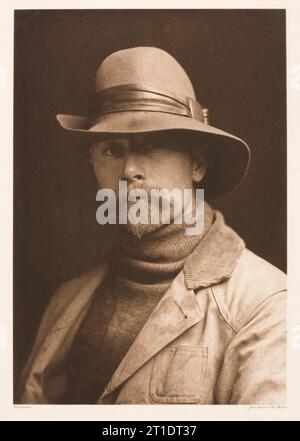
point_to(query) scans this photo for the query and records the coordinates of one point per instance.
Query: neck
(161, 254)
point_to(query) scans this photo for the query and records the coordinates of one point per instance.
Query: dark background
(236, 61)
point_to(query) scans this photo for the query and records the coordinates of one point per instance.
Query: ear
(199, 167)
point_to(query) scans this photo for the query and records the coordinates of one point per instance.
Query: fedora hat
(144, 89)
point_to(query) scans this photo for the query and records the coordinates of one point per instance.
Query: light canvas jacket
(217, 336)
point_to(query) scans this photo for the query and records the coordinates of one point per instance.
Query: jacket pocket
(178, 375)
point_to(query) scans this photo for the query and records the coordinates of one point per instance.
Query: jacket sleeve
(254, 368)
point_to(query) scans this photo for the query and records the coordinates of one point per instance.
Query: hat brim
(229, 156)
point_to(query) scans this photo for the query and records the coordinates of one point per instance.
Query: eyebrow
(133, 146)
(107, 142)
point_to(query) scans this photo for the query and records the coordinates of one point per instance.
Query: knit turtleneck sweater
(143, 270)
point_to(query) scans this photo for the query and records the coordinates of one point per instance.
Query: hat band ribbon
(140, 97)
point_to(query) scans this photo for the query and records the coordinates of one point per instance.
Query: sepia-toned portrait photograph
(150, 206)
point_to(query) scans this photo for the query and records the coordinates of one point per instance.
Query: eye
(113, 150)
(151, 145)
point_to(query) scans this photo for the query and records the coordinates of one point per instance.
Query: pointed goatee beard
(139, 230)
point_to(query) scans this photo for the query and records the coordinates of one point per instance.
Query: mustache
(151, 192)
(141, 186)
(147, 187)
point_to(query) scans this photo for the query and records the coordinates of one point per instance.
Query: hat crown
(143, 65)
(144, 90)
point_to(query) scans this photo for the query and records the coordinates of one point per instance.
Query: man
(166, 317)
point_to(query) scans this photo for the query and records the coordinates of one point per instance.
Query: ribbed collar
(210, 261)
(158, 256)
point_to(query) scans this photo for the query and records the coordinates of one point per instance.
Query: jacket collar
(215, 258)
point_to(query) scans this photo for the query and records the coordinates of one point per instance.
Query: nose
(133, 168)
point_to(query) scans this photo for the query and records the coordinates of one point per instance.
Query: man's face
(156, 160)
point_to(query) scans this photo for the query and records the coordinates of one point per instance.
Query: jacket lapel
(177, 311)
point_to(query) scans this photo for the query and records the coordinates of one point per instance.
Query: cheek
(107, 175)
(173, 171)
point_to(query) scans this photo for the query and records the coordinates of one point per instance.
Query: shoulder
(68, 292)
(253, 283)
(87, 279)
(252, 270)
